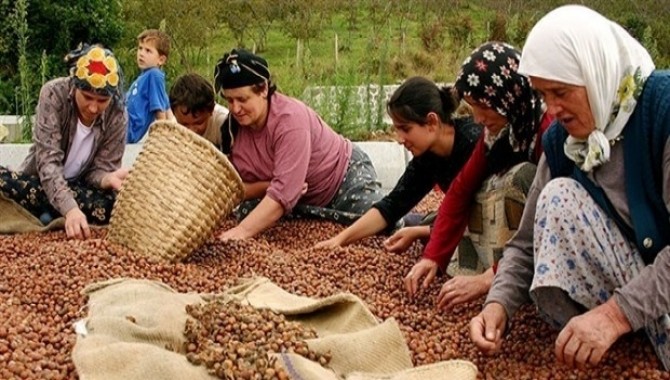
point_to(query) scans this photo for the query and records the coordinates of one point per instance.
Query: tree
(51, 29)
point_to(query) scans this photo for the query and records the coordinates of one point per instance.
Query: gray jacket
(53, 132)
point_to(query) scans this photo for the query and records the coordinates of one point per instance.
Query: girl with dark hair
(289, 159)
(514, 119)
(422, 115)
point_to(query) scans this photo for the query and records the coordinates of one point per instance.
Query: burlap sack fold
(16, 219)
(134, 326)
(339, 313)
(132, 329)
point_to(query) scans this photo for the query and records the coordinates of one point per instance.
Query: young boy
(146, 98)
(193, 105)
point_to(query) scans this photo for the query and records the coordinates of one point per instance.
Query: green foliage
(48, 30)
(58, 27)
(649, 42)
(433, 36)
(378, 42)
(189, 23)
(498, 31)
(303, 19)
(24, 100)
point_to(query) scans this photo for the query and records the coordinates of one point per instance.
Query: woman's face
(247, 107)
(416, 138)
(569, 104)
(90, 105)
(487, 116)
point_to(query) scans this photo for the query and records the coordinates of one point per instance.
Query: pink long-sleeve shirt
(294, 147)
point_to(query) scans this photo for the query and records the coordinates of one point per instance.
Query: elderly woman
(286, 155)
(592, 250)
(73, 166)
(514, 119)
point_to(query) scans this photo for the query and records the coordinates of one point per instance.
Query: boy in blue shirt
(146, 99)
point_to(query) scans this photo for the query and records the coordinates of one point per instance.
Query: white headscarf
(578, 46)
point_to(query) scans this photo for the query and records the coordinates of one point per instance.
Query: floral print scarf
(490, 77)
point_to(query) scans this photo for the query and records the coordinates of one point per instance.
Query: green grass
(438, 35)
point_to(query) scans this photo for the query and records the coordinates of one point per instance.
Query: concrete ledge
(389, 158)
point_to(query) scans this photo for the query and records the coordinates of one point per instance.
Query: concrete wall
(388, 158)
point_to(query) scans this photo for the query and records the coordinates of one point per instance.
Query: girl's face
(569, 104)
(90, 105)
(247, 107)
(487, 116)
(416, 138)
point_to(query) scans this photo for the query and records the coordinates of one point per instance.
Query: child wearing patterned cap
(279, 144)
(74, 164)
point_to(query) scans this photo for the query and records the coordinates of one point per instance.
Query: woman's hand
(424, 268)
(114, 180)
(333, 242)
(487, 328)
(586, 338)
(463, 289)
(76, 226)
(235, 233)
(403, 238)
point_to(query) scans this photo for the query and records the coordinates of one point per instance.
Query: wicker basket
(179, 189)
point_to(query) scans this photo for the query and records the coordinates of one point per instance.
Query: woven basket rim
(180, 187)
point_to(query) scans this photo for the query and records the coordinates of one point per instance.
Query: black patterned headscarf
(490, 77)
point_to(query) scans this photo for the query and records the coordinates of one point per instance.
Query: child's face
(195, 121)
(148, 56)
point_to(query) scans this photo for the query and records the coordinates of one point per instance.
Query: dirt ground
(41, 276)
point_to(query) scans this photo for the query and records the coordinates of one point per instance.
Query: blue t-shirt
(144, 97)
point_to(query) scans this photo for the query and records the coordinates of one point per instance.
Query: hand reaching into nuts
(235, 233)
(463, 289)
(333, 242)
(76, 225)
(586, 338)
(404, 237)
(487, 328)
(424, 268)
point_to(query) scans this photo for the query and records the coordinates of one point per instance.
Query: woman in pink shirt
(289, 159)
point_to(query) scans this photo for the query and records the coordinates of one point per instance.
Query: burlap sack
(131, 322)
(16, 219)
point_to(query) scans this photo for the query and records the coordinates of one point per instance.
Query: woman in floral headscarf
(593, 248)
(513, 117)
(73, 166)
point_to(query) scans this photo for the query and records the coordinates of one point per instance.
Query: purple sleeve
(291, 160)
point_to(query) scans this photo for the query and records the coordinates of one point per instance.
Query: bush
(53, 29)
